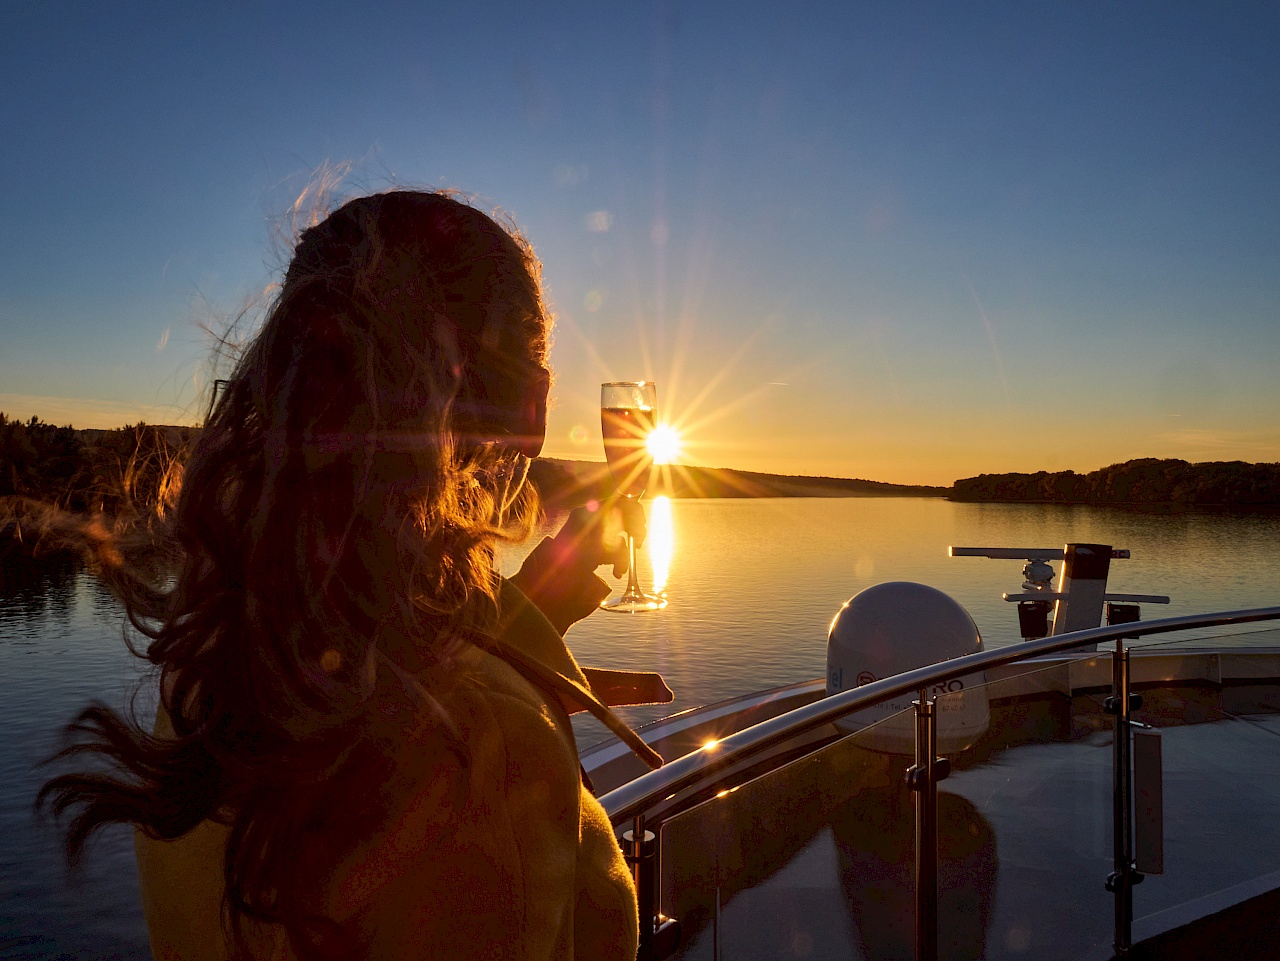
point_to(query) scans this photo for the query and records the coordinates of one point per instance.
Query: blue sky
(904, 241)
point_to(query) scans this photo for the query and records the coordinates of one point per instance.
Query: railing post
(659, 934)
(640, 847)
(923, 780)
(1123, 875)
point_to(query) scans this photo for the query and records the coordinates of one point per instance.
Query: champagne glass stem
(633, 584)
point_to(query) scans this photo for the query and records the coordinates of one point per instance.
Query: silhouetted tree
(47, 471)
(40, 460)
(1147, 480)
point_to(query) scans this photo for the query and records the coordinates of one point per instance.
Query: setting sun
(663, 443)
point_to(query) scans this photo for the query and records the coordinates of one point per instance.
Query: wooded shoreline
(98, 470)
(563, 483)
(1146, 481)
(107, 470)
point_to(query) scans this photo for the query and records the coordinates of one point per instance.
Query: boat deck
(1243, 932)
(815, 858)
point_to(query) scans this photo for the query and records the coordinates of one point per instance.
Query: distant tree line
(565, 483)
(109, 471)
(1146, 481)
(86, 470)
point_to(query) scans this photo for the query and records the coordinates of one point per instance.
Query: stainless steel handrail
(639, 797)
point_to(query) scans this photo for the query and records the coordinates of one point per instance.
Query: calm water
(753, 586)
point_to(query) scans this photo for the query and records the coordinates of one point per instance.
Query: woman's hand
(559, 575)
(596, 534)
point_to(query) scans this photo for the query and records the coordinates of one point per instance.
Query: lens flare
(663, 443)
(661, 541)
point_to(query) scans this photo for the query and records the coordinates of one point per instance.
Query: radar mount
(1081, 596)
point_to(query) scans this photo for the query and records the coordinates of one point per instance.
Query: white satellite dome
(900, 626)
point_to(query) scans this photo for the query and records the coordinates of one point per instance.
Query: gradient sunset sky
(902, 241)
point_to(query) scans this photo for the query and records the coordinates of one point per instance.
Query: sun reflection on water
(661, 540)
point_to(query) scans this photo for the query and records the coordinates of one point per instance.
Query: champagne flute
(628, 414)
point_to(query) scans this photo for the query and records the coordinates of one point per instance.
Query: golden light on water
(661, 541)
(663, 443)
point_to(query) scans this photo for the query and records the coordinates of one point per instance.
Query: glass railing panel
(1213, 695)
(812, 859)
(816, 858)
(1220, 746)
(1228, 637)
(1024, 832)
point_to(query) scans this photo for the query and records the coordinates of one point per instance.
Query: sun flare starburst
(663, 443)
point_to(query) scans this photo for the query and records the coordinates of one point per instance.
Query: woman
(362, 747)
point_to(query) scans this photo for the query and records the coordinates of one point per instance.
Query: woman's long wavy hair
(343, 498)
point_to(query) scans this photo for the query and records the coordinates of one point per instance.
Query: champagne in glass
(625, 432)
(628, 415)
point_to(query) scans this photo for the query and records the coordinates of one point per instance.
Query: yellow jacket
(521, 865)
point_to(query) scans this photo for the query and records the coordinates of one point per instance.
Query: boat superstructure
(1125, 787)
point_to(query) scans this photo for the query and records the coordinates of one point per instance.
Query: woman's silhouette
(362, 747)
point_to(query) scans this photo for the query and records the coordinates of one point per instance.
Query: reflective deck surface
(816, 859)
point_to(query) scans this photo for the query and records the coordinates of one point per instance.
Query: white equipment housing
(899, 626)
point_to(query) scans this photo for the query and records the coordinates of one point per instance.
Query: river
(753, 585)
